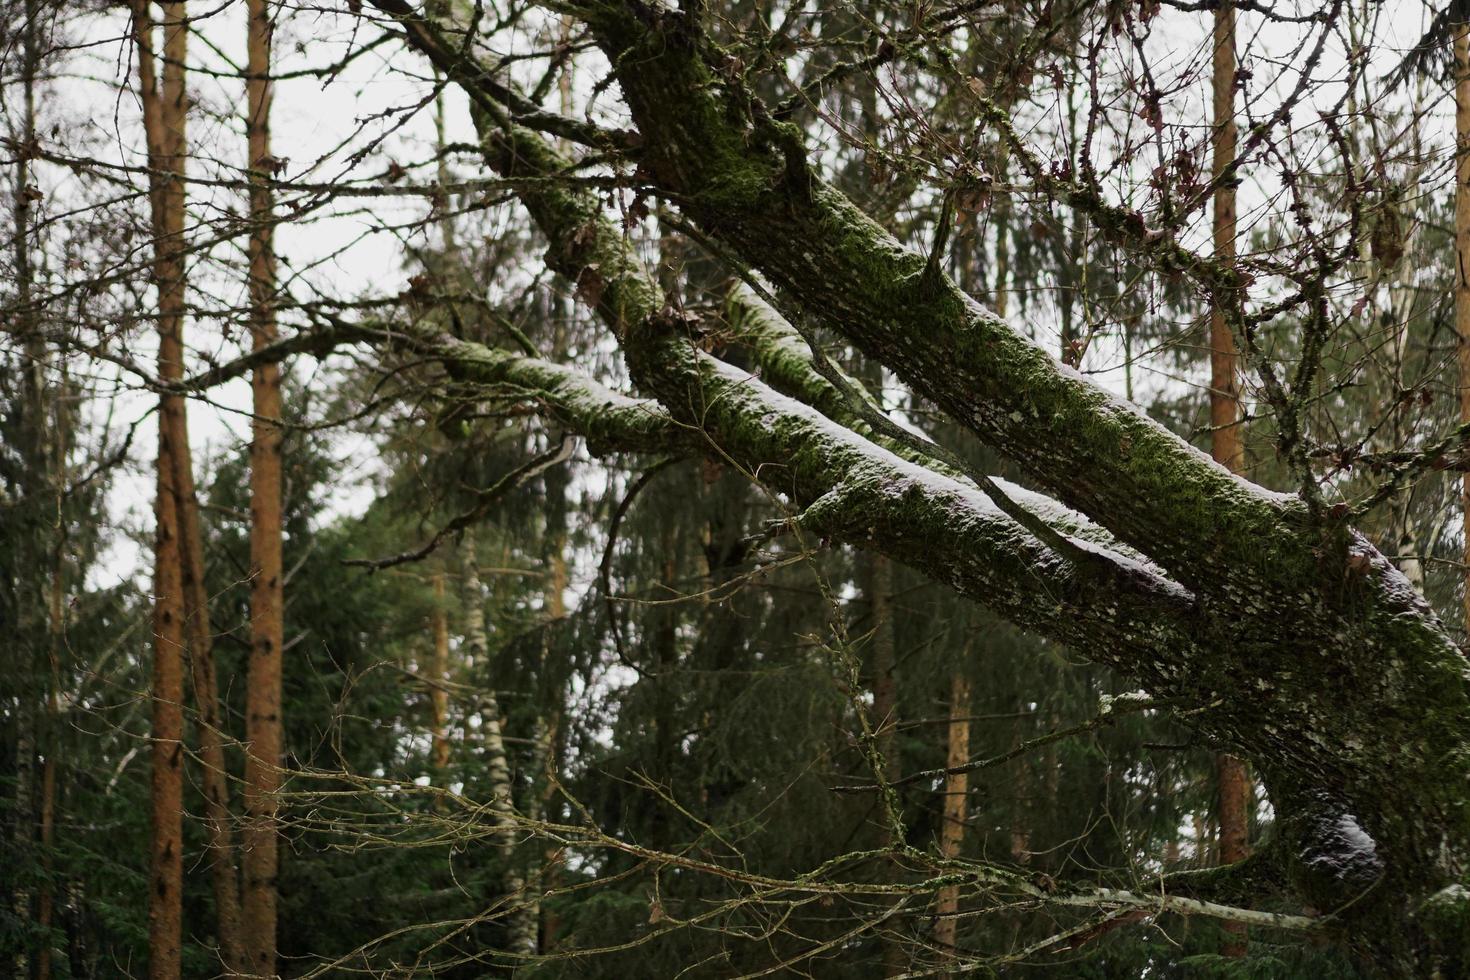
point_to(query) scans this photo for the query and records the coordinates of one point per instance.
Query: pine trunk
(263, 685)
(163, 123)
(1233, 783)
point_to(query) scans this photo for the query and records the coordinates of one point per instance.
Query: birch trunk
(956, 809)
(497, 763)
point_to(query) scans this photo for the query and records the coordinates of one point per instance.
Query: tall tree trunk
(163, 121)
(45, 903)
(1225, 444)
(191, 556)
(547, 728)
(956, 810)
(37, 470)
(492, 724)
(263, 685)
(438, 675)
(1462, 258)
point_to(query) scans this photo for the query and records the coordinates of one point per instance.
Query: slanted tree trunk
(163, 122)
(263, 685)
(215, 777)
(1271, 625)
(1232, 782)
(956, 808)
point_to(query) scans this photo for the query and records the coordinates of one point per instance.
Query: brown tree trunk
(1462, 258)
(163, 122)
(956, 810)
(1225, 442)
(263, 684)
(168, 221)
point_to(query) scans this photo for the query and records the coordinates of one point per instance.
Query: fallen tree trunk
(1272, 627)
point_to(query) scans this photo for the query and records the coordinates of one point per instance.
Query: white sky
(317, 127)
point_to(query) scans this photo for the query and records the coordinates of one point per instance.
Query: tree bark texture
(260, 855)
(1226, 446)
(956, 809)
(164, 110)
(497, 761)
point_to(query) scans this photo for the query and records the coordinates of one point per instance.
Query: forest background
(438, 654)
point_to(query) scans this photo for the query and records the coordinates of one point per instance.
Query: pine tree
(164, 111)
(1233, 806)
(263, 759)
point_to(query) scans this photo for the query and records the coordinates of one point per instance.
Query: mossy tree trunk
(1276, 631)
